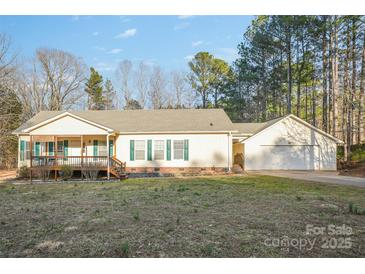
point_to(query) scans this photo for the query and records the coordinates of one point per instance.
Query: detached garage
(286, 143)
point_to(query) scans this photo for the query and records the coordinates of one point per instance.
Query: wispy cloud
(95, 33)
(126, 34)
(114, 51)
(182, 17)
(183, 25)
(197, 43)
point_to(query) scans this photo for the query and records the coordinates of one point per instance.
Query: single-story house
(171, 141)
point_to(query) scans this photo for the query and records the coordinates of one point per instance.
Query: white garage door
(294, 157)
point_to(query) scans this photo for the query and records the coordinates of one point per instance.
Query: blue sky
(103, 41)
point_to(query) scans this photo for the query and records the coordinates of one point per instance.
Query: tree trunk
(204, 99)
(306, 102)
(330, 77)
(347, 96)
(314, 95)
(362, 90)
(334, 78)
(353, 81)
(324, 77)
(290, 77)
(299, 70)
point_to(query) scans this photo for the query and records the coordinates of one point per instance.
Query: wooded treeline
(311, 66)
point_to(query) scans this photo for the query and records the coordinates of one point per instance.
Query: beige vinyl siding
(290, 144)
(205, 150)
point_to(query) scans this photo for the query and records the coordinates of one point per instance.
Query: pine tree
(109, 95)
(94, 89)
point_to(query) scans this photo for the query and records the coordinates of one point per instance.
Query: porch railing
(72, 161)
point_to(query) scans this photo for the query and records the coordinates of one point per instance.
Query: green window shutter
(95, 148)
(111, 148)
(22, 147)
(37, 148)
(186, 150)
(168, 150)
(59, 146)
(131, 150)
(51, 149)
(65, 147)
(149, 150)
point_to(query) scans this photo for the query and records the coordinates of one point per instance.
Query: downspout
(108, 158)
(229, 150)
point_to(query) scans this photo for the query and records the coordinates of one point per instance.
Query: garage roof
(253, 128)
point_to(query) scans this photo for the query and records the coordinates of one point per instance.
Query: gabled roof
(254, 128)
(145, 121)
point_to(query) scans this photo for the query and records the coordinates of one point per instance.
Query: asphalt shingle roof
(134, 121)
(253, 128)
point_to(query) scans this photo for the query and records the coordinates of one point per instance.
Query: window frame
(102, 148)
(27, 151)
(182, 150)
(144, 150)
(161, 150)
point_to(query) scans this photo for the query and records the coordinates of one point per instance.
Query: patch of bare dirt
(353, 169)
(7, 174)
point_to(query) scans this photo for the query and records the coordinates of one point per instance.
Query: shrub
(136, 215)
(43, 173)
(208, 250)
(66, 172)
(353, 209)
(125, 249)
(182, 188)
(91, 171)
(23, 172)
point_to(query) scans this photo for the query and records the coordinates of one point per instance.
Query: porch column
(55, 156)
(82, 149)
(107, 151)
(31, 156)
(82, 155)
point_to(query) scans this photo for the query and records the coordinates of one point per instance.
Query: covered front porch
(82, 152)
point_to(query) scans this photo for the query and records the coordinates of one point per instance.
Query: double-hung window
(102, 148)
(140, 149)
(27, 150)
(178, 149)
(159, 149)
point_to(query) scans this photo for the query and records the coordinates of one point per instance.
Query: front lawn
(232, 216)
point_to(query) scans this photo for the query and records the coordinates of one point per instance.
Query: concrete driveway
(330, 177)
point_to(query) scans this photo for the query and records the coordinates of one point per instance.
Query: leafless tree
(32, 89)
(157, 92)
(124, 72)
(7, 60)
(178, 83)
(10, 110)
(64, 75)
(141, 81)
(190, 98)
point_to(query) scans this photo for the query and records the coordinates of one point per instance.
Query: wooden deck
(78, 163)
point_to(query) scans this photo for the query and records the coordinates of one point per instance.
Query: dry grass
(174, 217)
